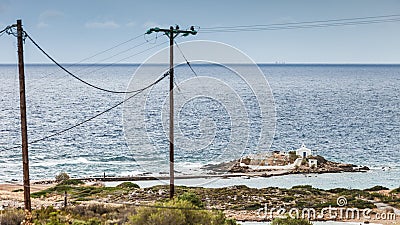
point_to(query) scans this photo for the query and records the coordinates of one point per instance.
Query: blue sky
(72, 30)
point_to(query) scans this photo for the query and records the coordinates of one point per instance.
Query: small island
(276, 163)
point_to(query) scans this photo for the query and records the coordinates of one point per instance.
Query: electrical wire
(121, 52)
(96, 63)
(73, 75)
(95, 116)
(305, 24)
(298, 27)
(110, 64)
(111, 48)
(130, 56)
(7, 29)
(183, 55)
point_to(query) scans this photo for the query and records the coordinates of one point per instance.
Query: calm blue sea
(346, 113)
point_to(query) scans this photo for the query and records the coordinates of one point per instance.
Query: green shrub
(287, 199)
(290, 221)
(337, 190)
(178, 212)
(192, 198)
(292, 156)
(71, 182)
(62, 176)
(395, 191)
(306, 187)
(12, 217)
(92, 210)
(376, 188)
(128, 185)
(92, 221)
(361, 204)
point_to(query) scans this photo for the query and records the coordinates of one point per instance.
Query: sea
(347, 113)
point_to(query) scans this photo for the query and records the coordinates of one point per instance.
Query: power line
(300, 26)
(125, 58)
(183, 55)
(96, 63)
(7, 28)
(130, 56)
(111, 48)
(73, 75)
(95, 116)
(293, 23)
(306, 24)
(126, 50)
(111, 64)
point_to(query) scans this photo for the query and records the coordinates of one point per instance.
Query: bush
(306, 187)
(71, 182)
(395, 191)
(92, 221)
(128, 185)
(62, 177)
(92, 210)
(12, 217)
(361, 204)
(292, 156)
(178, 212)
(192, 198)
(290, 221)
(376, 188)
(337, 190)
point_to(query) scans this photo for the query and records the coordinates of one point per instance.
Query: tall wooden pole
(171, 113)
(171, 33)
(24, 132)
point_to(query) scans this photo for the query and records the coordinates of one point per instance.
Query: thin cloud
(102, 25)
(42, 25)
(50, 14)
(149, 24)
(46, 17)
(131, 24)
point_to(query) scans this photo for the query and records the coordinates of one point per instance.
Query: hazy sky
(73, 30)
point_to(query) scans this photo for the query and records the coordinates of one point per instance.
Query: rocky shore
(324, 166)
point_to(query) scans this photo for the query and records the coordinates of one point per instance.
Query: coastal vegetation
(290, 221)
(185, 209)
(127, 203)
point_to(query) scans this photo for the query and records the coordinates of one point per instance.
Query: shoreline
(265, 174)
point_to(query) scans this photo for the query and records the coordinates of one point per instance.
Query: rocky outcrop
(324, 166)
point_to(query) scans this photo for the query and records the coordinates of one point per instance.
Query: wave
(78, 161)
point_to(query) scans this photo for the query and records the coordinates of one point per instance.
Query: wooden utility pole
(172, 33)
(171, 114)
(24, 131)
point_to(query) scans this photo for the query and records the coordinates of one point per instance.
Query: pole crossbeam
(172, 33)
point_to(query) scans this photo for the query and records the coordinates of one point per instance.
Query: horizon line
(195, 63)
